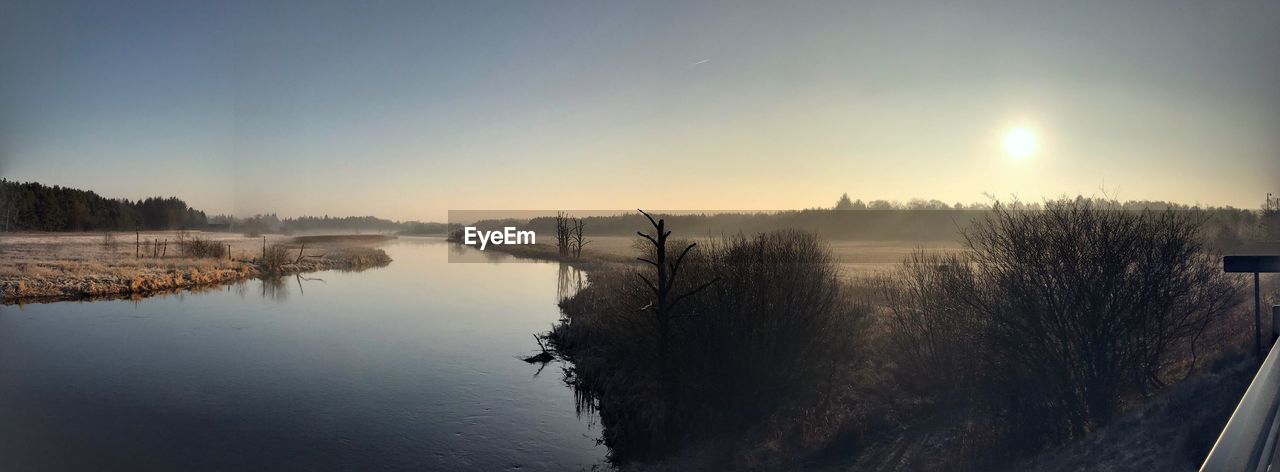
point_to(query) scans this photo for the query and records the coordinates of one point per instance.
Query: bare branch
(694, 291)
(675, 266)
(646, 215)
(647, 282)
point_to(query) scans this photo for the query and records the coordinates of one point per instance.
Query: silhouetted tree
(663, 306)
(844, 203)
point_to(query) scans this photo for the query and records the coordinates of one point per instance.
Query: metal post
(1257, 318)
(1275, 324)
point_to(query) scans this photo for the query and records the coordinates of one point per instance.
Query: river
(408, 367)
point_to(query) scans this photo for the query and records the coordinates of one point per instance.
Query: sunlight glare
(1019, 143)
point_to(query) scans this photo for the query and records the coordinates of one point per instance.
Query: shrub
(200, 247)
(1062, 312)
(768, 334)
(276, 257)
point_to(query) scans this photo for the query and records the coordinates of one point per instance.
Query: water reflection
(569, 280)
(274, 288)
(409, 367)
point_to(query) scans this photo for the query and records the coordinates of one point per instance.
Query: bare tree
(562, 234)
(578, 240)
(663, 307)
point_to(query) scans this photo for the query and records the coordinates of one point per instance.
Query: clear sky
(409, 109)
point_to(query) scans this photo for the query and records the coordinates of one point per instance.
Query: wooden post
(137, 244)
(264, 248)
(165, 250)
(228, 252)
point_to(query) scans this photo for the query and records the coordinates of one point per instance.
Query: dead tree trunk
(663, 307)
(578, 239)
(562, 234)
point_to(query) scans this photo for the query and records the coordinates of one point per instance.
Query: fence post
(1275, 323)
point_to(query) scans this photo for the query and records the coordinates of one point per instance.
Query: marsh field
(69, 266)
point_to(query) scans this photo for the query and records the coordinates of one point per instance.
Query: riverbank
(46, 267)
(864, 413)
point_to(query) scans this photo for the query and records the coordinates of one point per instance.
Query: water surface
(411, 366)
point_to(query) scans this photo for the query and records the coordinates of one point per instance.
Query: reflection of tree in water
(277, 287)
(494, 256)
(569, 280)
(456, 249)
(274, 288)
(300, 278)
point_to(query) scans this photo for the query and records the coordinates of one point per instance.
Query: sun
(1019, 143)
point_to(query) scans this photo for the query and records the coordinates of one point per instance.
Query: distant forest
(31, 206)
(270, 223)
(918, 220)
(34, 207)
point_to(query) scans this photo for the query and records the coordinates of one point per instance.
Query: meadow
(38, 266)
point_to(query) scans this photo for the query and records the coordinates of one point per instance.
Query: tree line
(1225, 228)
(30, 206)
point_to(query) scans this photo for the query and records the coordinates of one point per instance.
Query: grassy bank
(43, 267)
(937, 364)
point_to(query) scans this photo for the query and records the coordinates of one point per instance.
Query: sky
(409, 109)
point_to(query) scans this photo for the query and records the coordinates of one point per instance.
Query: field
(857, 259)
(58, 266)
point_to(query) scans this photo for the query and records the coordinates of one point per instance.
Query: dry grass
(54, 266)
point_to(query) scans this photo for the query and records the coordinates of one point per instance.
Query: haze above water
(411, 366)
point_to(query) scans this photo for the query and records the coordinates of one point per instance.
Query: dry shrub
(1052, 318)
(200, 247)
(769, 334)
(276, 257)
